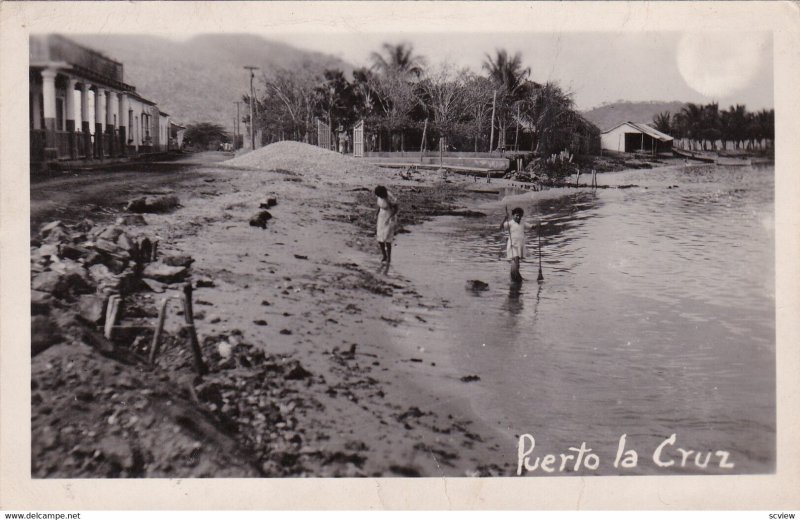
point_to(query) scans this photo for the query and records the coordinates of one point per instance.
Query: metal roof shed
(635, 137)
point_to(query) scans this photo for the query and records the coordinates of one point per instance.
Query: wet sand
(350, 383)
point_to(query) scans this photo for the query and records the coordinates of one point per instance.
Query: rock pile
(76, 269)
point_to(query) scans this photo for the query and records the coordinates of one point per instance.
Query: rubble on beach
(106, 402)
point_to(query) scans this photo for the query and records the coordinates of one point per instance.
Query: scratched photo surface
(218, 290)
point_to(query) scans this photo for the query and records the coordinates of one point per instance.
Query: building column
(70, 108)
(49, 102)
(99, 120)
(112, 105)
(124, 122)
(86, 128)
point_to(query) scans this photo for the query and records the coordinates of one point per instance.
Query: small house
(635, 137)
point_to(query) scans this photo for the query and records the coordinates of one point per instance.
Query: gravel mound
(294, 157)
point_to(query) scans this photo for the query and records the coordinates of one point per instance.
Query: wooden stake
(162, 314)
(111, 314)
(199, 365)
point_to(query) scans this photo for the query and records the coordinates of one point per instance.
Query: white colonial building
(82, 110)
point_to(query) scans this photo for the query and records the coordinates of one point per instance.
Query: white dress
(387, 223)
(517, 239)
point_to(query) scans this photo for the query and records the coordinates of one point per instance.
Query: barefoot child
(387, 223)
(515, 248)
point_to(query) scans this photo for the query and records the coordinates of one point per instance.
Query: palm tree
(553, 117)
(334, 96)
(397, 71)
(662, 122)
(510, 79)
(398, 59)
(734, 124)
(692, 116)
(711, 125)
(764, 124)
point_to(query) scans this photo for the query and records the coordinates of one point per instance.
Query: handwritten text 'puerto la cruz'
(666, 455)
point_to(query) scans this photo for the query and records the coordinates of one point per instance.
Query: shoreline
(281, 292)
(335, 370)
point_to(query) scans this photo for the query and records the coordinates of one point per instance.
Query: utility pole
(252, 113)
(237, 127)
(491, 135)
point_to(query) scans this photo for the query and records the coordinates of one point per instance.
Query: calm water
(656, 317)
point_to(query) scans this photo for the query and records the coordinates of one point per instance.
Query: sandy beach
(329, 372)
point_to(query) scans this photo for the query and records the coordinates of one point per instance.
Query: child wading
(515, 248)
(387, 223)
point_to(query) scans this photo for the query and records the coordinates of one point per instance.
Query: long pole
(252, 110)
(491, 135)
(422, 146)
(540, 278)
(238, 127)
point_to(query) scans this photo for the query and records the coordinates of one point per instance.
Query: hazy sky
(729, 67)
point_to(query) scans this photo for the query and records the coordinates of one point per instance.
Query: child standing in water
(387, 223)
(515, 248)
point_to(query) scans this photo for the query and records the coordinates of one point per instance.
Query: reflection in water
(514, 303)
(657, 317)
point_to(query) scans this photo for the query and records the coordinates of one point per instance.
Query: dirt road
(99, 194)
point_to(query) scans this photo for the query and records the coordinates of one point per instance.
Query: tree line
(406, 104)
(706, 127)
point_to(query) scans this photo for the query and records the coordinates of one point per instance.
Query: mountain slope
(611, 114)
(201, 78)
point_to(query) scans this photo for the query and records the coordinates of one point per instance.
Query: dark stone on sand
(477, 285)
(271, 201)
(260, 219)
(286, 332)
(204, 282)
(470, 378)
(137, 205)
(153, 204)
(261, 323)
(297, 372)
(301, 257)
(178, 260)
(72, 252)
